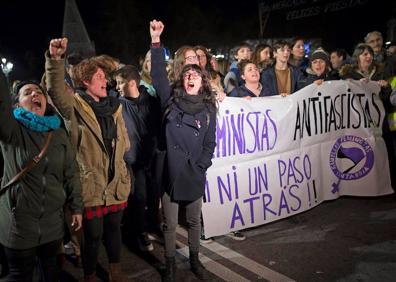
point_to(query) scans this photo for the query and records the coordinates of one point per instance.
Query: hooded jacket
(31, 210)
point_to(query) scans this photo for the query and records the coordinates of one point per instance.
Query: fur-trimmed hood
(352, 71)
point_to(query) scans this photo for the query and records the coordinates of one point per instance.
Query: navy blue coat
(190, 139)
(270, 86)
(141, 116)
(242, 91)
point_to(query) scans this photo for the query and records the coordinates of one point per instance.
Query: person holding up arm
(189, 125)
(40, 176)
(98, 132)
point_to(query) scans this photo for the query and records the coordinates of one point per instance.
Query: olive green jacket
(92, 156)
(31, 210)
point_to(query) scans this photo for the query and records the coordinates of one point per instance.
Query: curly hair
(242, 65)
(108, 64)
(84, 71)
(206, 89)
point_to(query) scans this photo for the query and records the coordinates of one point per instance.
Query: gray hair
(371, 34)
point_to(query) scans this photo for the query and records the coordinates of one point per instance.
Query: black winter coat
(310, 77)
(377, 73)
(190, 139)
(142, 118)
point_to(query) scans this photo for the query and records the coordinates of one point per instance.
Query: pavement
(348, 239)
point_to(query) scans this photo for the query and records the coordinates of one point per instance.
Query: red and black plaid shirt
(99, 211)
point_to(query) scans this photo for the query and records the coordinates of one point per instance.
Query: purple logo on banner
(350, 158)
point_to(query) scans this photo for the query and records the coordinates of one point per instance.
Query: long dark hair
(205, 90)
(208, 56)
(256, 54)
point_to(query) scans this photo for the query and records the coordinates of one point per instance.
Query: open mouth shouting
(38, 105)
(32, 99)
(192, 82)
(190, 86)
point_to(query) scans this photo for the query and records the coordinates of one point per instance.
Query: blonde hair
(146, 76)
(178, 61)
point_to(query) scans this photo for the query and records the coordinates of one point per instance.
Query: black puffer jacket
(310, 77)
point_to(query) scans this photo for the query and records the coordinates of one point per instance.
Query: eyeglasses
(191, 75)
(191, 58)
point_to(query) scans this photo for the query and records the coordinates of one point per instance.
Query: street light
(6, 67)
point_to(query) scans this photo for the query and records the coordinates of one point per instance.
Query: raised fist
(57, 47)
(156, 28)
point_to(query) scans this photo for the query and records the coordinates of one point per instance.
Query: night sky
(120, 27)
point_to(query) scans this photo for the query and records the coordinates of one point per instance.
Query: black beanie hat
(319, 54)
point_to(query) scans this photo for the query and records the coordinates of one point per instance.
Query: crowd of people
(99, 150)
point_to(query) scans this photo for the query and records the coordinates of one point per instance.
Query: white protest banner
(276, 157)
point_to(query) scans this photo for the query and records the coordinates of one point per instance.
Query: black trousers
(143, 208)
(107, 227)
(3, 263)
(21, 263)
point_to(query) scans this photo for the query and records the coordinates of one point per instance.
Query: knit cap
(319, 54)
